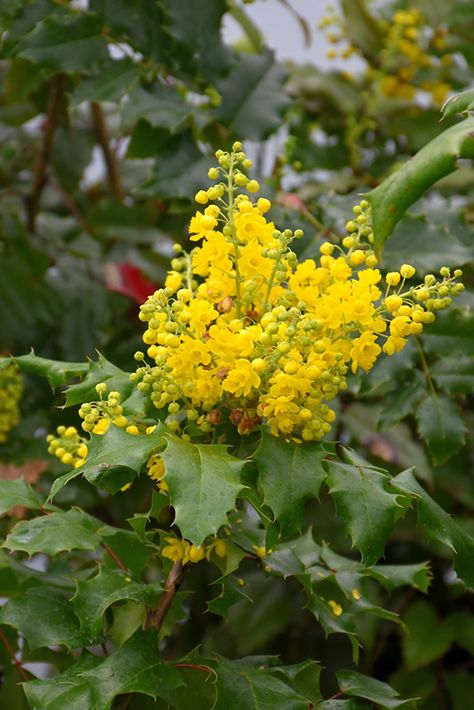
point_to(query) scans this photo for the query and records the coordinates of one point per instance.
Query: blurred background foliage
(109, 113)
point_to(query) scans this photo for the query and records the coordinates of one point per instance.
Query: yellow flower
(241, 379)
(364, 352)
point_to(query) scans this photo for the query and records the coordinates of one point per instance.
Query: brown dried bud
(226, 305)
(222, 373)
(236, 415)
(214, 417)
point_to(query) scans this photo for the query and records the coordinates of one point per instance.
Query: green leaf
(135, 667)
(17, 492)
(393, 576)
(362, 686)
(179, 170)
(231, 593)
(441, 426)
(94, 596)
(438, 525)
(203, 481)
(161, 105)
(57, 372)
(253, 96)
(368, 508)
(289, 475)
(253, 687)
(66, 43)
(362, 29)
(462, 625)
(114, 459)
(44, 616)
(459, 103)
(196, 28)
(57, 532)
(68, 690)
(454, 373)
(391, 199)
(115, 78)
(426, 637)
(100, 371)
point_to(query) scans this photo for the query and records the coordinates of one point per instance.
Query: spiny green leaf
(362, 686)
(94, 596)
(114, 79)
(257, 688)
(67, 690)
(58, 532)
(44, 616)
(231, 593)
(114, 459)
(66, 43)
(160, 105)
(253, 96)
(203, 481)
(17, 492)
(426, 637)
(391, 199)
(459, 103)
(289, 475)
(100, 371)
(135, 667)
(368, 508)
(393, 576)
(57, 372)
(362, 29)
(438, 525)
(454, 373)
(441, 426)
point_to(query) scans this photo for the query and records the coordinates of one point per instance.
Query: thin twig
(110, 158)
(23, 673)
(114, 556)
(43, 158)
(72, 206)
(155, 618)
(424, 366)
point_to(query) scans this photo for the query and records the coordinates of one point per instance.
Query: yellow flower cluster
(68, 446)
(183, 551)
(408, 57)
(11, 390)
(98, 415)
(243, 333)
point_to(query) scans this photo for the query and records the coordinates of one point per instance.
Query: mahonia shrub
(11, 390)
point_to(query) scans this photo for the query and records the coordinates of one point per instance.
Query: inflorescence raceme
(244, 333)
(11, 390)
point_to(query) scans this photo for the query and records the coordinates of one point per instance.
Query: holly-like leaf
(289, 475)
(454, 373)
(94, 596)
(115, 78)
(57, 532)
(196, 29)
(362, 686)
(179, 170)
(441, 426)
(17, 492)
(391, 199)
(57, 372)
(253, 96)
(254, 687)
(203, 481)
(459, 103)
(393, 576)
(160, 105)
(44, 616)
(426, 637)
(114, 459)
(67, 690)
(66, 43)
(100, 371)
(369, 509)
(135, 667)
(438, 525)
(362, 29)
